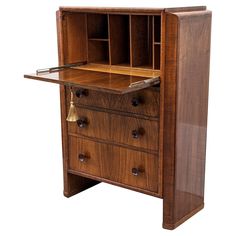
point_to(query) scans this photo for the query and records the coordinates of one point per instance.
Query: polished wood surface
(74, 38)
(97, 124)
(122, 162)
(125, 10)
(141, 41)
(113, 83)
(119, 38)
(148, 101)
(115, 163)
(123, 130)
(185, 114)
(117, 128)
(149, 138)
(120, 69)
(73, 184)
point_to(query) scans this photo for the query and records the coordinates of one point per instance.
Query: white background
(31, 199)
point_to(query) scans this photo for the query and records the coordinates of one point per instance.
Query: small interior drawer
(121, 165)
(143, 102)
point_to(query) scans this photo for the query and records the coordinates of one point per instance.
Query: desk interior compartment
(142, 41)
(119, 39)
(116, 50)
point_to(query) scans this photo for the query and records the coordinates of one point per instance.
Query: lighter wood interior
(119, 70)
(127, 40)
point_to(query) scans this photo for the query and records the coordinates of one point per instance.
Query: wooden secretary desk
(138, 80)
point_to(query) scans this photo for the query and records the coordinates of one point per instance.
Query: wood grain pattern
(115, 163)
(117, 128)
(123, 160)
(97, 127)
(97, 26)
(94, 152)
(119, 38)
(125, 10)
(75, 37)
(121, 128)
(186, 76)
(72, 184)
(121, 69)
(98, 51)
(148, 106)
(149, 101)
(109, 82)
(126, 45)
(140, 41)
(102, 179)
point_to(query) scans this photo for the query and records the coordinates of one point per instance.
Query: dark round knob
(82, 157)
(135, 102)
(81, 93)
(135, 133)
(136, 171)
(82, 122)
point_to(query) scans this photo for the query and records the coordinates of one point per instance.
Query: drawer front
(134, 131)
(86, 156)
(121, 165)
(126, 130)
(90, 97)
(143, 102)
(134, 168)
(96, 124)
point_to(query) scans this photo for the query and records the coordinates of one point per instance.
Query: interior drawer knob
(82, 157)
(82, 122)
(136, 171)
(81, 93)
(135, 101)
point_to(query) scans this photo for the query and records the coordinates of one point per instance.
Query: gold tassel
(72, 115)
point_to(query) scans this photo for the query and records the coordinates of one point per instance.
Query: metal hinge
(57, 68)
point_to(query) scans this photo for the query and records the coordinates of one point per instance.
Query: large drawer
(128, 130)
(121, 165)
(143, 102)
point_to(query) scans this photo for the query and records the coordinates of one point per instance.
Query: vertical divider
(109, 39)
(153, 45)
(86, 36)
(130, 41)
(150, 41)
(157, 31)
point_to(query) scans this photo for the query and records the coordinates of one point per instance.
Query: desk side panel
(72, 183)
(185, 114)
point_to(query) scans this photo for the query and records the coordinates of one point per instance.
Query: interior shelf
(119, 70)
(98, 39)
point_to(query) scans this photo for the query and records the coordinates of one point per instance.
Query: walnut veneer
(149, 137)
